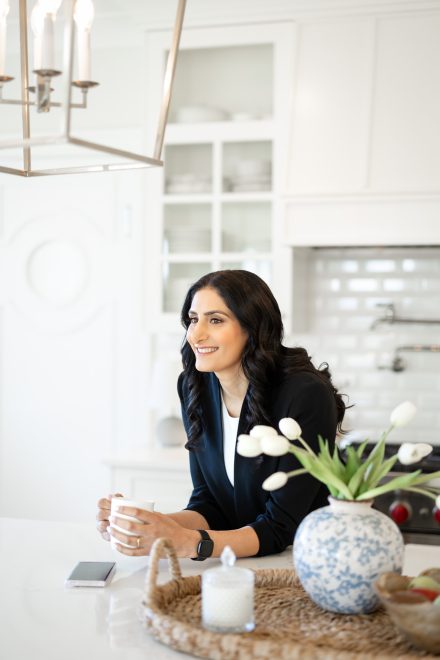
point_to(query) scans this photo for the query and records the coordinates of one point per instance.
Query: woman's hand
(153, 525)
(103, 515)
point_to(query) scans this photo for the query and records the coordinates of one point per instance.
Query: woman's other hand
(151, 526)
(103, 515)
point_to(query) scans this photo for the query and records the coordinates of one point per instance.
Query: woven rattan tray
(288, 623)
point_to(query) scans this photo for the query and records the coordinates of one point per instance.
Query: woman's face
(215, 335)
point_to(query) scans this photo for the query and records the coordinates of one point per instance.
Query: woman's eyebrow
(213, 311)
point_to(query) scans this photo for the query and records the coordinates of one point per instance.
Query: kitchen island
(42, 619)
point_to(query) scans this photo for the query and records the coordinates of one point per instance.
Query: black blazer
(274, 515)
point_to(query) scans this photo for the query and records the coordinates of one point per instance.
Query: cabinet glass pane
(263, 268)
(188, 169)
(187, 228)
(213, 84)
(247, 167)
(246, 227)
(177, 278)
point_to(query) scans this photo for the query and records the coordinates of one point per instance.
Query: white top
(102, 623)
(230, 430)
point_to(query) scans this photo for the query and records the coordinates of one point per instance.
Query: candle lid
(228, 573)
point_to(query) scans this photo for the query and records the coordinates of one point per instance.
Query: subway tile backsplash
(344, 288)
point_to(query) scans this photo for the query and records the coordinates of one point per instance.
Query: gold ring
(138, 542)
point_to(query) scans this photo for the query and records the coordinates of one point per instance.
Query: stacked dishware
(251, 175)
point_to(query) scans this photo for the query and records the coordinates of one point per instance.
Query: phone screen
(91, 573)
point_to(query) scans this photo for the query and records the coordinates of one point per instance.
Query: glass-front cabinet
(217, 201)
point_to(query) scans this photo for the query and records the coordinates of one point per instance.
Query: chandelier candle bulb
(43, 28)
(4, 10)
(83, 16)
(228, 597)
(47, 43)
(84, 68)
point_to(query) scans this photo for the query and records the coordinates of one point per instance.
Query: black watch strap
(205, 546)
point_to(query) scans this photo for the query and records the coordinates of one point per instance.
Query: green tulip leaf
(397, 483)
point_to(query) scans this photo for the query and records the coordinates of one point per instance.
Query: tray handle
(162, 547)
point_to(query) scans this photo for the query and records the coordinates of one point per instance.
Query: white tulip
(275, 481)
(437, 501)
(413, 452)
(403, 414)
(274, 445)
(259, 431)
(248, 447)
(290, 428)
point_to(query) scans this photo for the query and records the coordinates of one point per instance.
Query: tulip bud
(412, 452)
(260, 430)
(290, 428)
(248, 447)
(274, 445)
(275, 481)
(403, 414)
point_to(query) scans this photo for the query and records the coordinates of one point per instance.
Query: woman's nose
(198, 334)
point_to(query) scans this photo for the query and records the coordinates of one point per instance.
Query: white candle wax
(2, 47)
(83, 42)
(228, 606)
(46, 43)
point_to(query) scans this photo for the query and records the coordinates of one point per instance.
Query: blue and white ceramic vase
(339, 551)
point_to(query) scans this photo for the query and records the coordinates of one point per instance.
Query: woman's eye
(192, 320)
(214, 320)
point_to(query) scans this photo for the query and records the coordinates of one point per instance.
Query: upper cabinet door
(366, 105)
(331, 107)
(405, 140)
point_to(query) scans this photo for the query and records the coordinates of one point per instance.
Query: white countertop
(42, 619)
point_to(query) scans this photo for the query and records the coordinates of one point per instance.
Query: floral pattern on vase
(340, 550)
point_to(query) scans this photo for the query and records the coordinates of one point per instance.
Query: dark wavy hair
(265, 360)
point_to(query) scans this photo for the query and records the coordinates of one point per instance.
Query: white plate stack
(178, 184)
(188, 239)
(252, 175)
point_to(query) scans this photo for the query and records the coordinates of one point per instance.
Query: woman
(236, 374)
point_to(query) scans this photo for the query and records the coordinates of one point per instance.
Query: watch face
(205, 548)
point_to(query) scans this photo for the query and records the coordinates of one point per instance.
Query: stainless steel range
(415, 514)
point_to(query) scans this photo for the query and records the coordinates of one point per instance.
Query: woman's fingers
(105, 502)
(103, 515)
(141, 514)
(133, 545)
(102, 528)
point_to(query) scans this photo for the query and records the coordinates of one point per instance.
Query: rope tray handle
(162, 547)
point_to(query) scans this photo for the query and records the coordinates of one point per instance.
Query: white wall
(73, 353)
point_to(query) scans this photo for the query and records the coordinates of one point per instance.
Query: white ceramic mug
(116, 503)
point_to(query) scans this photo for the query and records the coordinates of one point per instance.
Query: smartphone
(91, 574)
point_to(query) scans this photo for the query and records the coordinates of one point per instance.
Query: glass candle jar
(228, 597)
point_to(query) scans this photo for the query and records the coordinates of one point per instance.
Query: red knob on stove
(400, 511)
(436, 514)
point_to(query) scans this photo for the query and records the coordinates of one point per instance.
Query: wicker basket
(288, 624)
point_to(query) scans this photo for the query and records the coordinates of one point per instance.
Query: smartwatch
(205, 546)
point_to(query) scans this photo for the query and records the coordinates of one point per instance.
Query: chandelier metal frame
(43, 103)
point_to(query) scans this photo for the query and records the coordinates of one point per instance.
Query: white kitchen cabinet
(217, 201)
(364, 163)
(162, 476)
(330, 112)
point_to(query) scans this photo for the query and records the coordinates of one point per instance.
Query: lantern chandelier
(44, 71)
